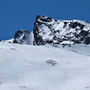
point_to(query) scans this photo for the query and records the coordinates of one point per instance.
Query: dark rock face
(23, 37)
(37, 25)
(87, 40)
(50, 31)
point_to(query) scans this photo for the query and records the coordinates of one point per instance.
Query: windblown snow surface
(27, 67)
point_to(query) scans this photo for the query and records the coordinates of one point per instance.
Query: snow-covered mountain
(22, 37)
(49, 30)
(25, 65)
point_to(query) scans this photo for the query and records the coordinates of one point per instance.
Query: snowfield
(27, 67)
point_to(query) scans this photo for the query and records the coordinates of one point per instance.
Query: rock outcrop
(23, 37)
(51, 31)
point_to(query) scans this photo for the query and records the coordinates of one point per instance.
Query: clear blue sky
(20, 14)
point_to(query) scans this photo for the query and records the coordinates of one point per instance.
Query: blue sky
(20, 14)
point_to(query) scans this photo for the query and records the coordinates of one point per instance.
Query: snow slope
(27, 67)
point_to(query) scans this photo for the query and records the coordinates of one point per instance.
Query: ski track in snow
(24, 67)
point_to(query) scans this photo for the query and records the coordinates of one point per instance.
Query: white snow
(25, 67)
(67, 43)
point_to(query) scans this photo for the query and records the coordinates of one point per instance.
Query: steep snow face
(49, 30)
(23, 37)
(27, 67)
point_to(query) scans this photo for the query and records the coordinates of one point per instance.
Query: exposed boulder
(23, 37)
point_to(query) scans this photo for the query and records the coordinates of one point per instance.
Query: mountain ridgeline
(51, 31)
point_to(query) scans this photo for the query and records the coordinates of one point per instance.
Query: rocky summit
(51, 31)
(55, 32)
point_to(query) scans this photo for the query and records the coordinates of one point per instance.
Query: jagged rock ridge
(51, 31)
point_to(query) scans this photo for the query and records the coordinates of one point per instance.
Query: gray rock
(51, 31)
(23, 37)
